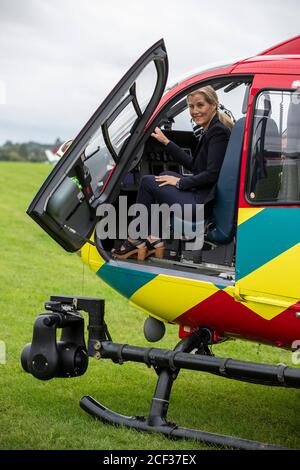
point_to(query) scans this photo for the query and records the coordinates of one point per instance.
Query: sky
(60, 58)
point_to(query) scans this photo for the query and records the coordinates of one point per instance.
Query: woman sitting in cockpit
(205, 165)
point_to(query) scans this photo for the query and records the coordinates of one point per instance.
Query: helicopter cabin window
(274, 164)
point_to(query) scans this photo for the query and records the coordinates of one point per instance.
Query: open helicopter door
(91, 170)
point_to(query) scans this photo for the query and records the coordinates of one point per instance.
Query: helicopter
(242, 282)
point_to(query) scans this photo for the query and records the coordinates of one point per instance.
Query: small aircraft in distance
(54, 156)
(244, 281)
(51, 156)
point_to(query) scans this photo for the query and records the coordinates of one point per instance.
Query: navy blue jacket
(206, 162)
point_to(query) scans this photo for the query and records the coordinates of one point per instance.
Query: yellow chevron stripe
(246, 213)
(281, 275)
(259, 305)
(266, 310)
(168, 297)
(229, 290)
(90, 256)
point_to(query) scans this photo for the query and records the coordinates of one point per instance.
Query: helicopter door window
(99, 161)
(274, 165)
(146, 81)
(120, 124)
(117, 129)
(103, 149)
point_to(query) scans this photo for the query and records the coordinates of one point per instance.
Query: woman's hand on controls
(160, 136)
(166, 179)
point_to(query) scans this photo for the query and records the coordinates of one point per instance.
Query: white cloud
(2, 92)
(60, 58)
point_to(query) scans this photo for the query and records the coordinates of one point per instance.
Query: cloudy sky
(60, 58)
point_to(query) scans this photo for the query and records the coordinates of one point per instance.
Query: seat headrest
(225, 205)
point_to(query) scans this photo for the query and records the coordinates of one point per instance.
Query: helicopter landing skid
(167, 365)
(170, 430)
(46, 357)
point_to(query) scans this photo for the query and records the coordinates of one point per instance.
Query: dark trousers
(150, 193)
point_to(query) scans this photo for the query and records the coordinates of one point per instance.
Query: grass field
(46, 415)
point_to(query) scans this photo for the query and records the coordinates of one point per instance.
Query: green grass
(46, 415)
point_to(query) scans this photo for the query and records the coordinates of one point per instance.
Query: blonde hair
(212, 98)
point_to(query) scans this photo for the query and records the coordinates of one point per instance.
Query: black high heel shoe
(154, 249)
(129, 249)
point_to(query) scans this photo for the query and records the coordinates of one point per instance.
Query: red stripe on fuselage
(231, 318)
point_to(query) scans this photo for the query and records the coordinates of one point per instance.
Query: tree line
(26, 152)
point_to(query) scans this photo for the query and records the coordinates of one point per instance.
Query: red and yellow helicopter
(242, 283)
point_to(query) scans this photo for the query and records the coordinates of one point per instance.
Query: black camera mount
(46, 357)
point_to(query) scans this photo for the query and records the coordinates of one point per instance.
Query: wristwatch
(178, 184)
